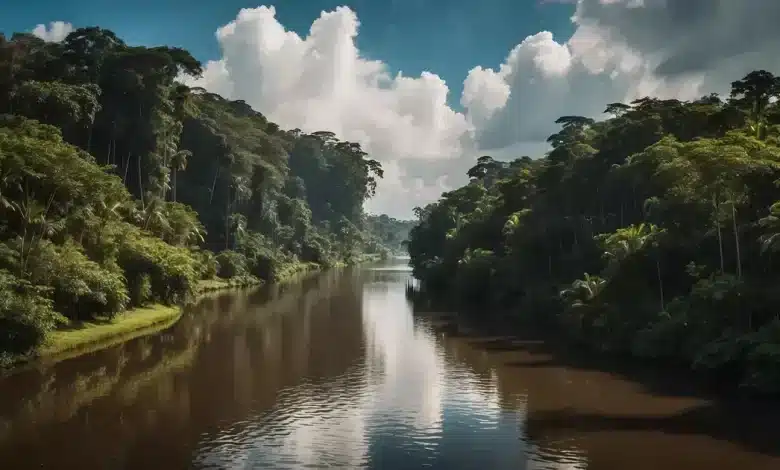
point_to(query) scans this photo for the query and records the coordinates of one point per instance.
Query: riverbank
(293, 271)
(88, 337)
(510, 331)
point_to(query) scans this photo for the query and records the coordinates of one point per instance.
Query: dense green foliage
(387, 235)
(653, 232)
(119, 186)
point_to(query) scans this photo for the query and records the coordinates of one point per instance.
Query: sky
(428, 86)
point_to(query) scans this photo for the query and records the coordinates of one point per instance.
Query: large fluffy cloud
(321, 82)
(691, 35)
(621, 49)
(56, 32)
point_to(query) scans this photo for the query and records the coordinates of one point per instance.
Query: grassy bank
(86, 337)
(372, 258)
(294, 270)
(210, 285)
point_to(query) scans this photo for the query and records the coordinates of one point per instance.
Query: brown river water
(341, 371)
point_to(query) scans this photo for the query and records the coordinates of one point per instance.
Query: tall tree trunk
(574, 233)
(227, 218)
(716, 207)
(163, 189)
(127, 166)
(25, 222)
(140, 183)
(11, 81)
(550, 249)
(214, 184)
(89, 136)
(173, 193)
(601, 212)
(736, 239)
(621, 214)
(549, 265)
(660, 281)
(113, 144)
(227, 223)
(108, 152)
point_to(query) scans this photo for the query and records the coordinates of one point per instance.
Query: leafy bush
(763, 367)
(265, 265)
(173, 222)
(474, 274)
(172, 271)
(231, 264)
(81, 288)
(664, 337)
(207, 264)
(262, 259)
(141, 290)
(316, 248)
(760, 359)
(26, 315)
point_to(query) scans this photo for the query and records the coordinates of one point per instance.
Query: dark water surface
(336, 372)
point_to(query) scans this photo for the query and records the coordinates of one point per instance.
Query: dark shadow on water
(509, 344)
(715, 420)
(654, 378)
(723, 414)
(540, 363)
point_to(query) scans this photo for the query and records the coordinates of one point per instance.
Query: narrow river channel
(340, 371)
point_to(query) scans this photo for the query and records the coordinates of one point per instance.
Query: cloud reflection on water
(404, 404)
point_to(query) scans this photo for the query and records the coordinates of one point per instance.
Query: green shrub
(664, 337)
(141, 290)
(262, 258)
(231, 264)
(172, 272)
(474, 274)
(81, 288)
(317, 249)
(207, 265)
(265, 264)
(762, 368)
(26, 315)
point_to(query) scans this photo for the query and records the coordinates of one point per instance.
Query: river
(340, 371)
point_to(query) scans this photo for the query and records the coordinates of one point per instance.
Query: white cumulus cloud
(321, 82)
(621, 50)
(56, 31)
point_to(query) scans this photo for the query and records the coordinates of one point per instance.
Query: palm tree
(583, 290)
(755, 91)
(770, 240)
(34, 216)
(5, 203)
(629, 240)
(580, 294)
(154, 216)
(178, 162)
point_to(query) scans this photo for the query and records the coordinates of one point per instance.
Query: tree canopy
(652, 232)
(120, 186)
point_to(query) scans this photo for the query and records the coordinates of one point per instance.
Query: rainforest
(122, 188)
(652, 233)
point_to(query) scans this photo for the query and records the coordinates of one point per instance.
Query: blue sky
(447, 37)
